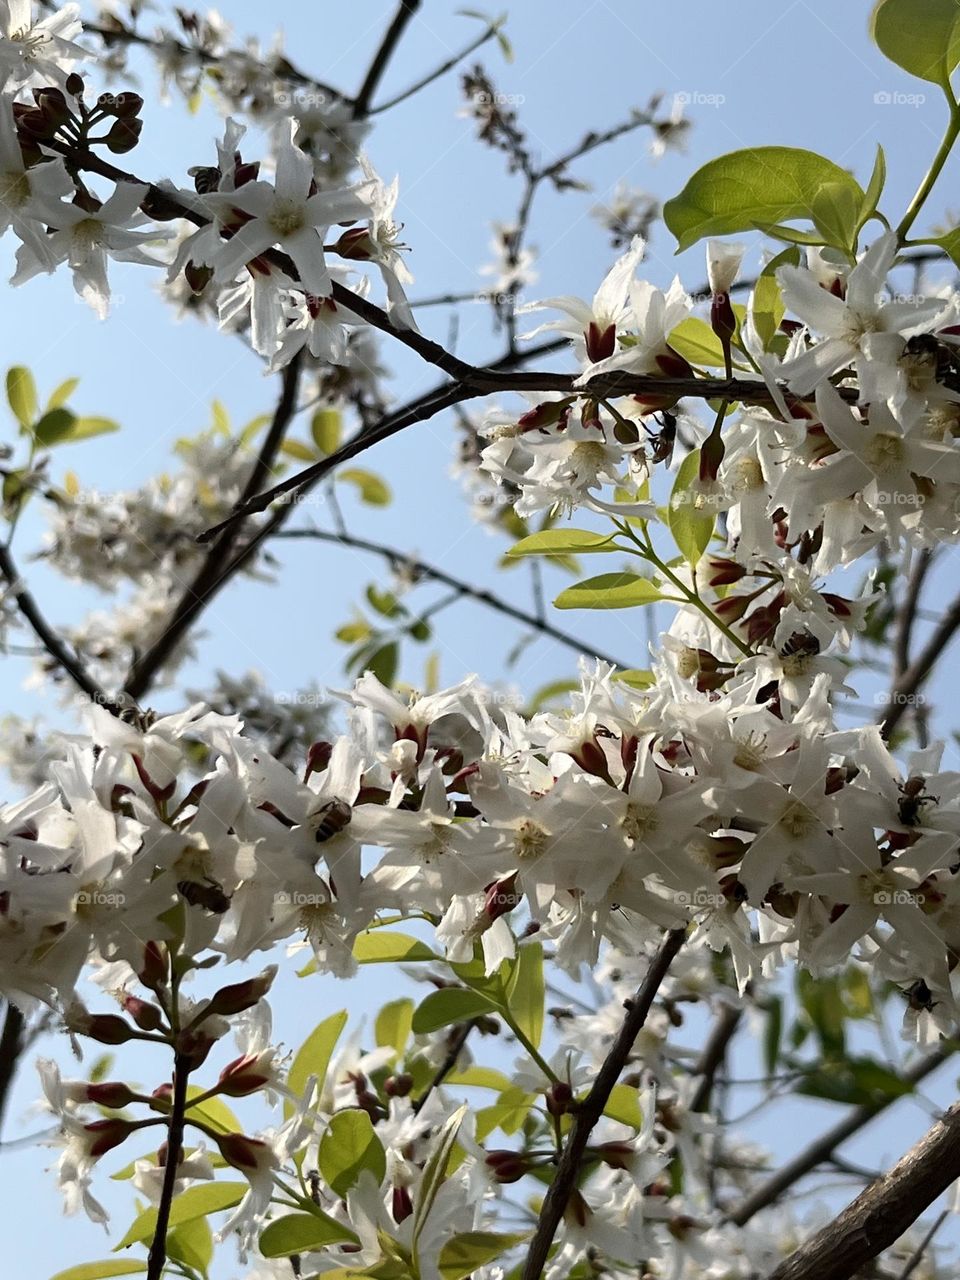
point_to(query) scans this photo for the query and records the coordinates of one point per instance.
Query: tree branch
(808, 1159)
(457, 1041)
(904, 691)
(714, 1052)
(882, 1212)
(437, 72)
(158, 1248)
(208, 578)
(11, 1046)
(51, 642)
(590, 1110)
(421, 568)
(381, 59)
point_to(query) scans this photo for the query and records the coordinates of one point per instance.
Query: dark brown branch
(822, 1149)
(178, 1108)
(421, 569)
(437, 72)
(883, 1212)
(207, 579)
(714, 1052)
(381, 59)
(590, 1110)
(455, 1048)
(905, 691)
(51, 642)
(908, 611)
(11, 1046)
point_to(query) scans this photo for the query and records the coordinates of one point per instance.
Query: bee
(919, 997)
(912, 800)
(330, 819)
(665, 439)
(206, 893)
(925, 354)
(802, 644)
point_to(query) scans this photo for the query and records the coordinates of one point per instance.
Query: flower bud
(501, 897)
(558, 1098)
(402, 1205)
(242, 995)
(507, 1166)
(247, 1074)
(197, 277)
(74, 85)
(105, 1028)
(104, 1135)
(398, 1086)
(111, 1093)
(549, 413)
(147, 1016)
(124, 135)
(600, 343)
(153, 972)
(723, 265)
(53, 105)
(318, 757)
(717, 571)
(122, 105)
(356, 244)
(246, 1154)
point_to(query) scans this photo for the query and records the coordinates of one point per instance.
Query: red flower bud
(147, 1016)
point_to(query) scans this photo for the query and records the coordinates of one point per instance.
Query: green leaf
(22, 394)
(385, 602)
(836, 213)
(767, 302)
(373, 491)
(221, 419)
(326, 427)
(393, 1024)
(301, 1233)
(465, 1253)
(451, 1004)
(192, 1243)
(950, 243)
(609, 591)
(87, 428)
(296, 449)
(744, 189)
(854, 1082)
(549, 692)
(921, 36)
(384, 662)
(623, 1105)
(480, 1078)
(636, 678)
(214, 1111)
(526, 991)
(384, 946)
(553, 542)
(508, 1113)
(351, 632)
(195, 1202)
(874, 191)
(349, 1146)
(691, 520)
(823, 1004)
(55, 425)
(434, 1171)
(62, 394)
(695, 341)
(313, 1056)
(102, 1270)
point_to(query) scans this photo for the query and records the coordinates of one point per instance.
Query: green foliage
(450, 1004)
(751, 189)
(102, 1270)
(349, 1146)
(463, 1254)
(302, 1233)
(385, 946)
(195, 1202)
(691, 520)
(551, 542)
(921, 36)
(610, 591)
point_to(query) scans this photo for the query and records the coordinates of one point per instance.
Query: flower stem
(933, 173)
(158, 1248)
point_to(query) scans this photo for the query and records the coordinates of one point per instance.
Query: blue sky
(800, 74)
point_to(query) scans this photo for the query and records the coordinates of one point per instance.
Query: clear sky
(801, 74)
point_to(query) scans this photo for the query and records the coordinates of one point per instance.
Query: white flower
(37, 52)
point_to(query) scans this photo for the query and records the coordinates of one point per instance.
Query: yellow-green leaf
(609, 591)
(526, 991)
(349, 1146)
(313, 1056)
(326, 427)
(451, 1004)
(465, 1253)
(552, 542)
(385, 946)
(691, 519)
(373, 491)
(302, 1233)
(22, 394)
(63, 393)
(102, 1270)
(393, 1024)
(922, 36)
(195, 1202)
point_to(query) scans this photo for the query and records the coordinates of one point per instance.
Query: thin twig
(437, 72)
(420, 568)
(455, 1048)
(908, 611)
(713, 1055)
(590, 1110)
(822, 1149)
(197, 594)
(905, 691)
(385, 51)
(917, 1256)
(68, 661)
